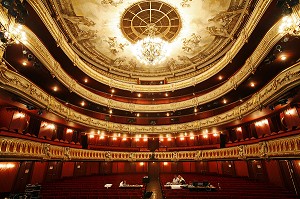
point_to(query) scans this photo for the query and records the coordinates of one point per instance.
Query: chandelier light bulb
(151, 50)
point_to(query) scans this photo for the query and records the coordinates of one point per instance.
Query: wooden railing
(19, 149)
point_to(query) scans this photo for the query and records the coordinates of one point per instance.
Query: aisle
(155, 187)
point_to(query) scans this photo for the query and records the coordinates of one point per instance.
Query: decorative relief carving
(186, 3)
(23, 149)
(191, 44)
(112, 2)
(260, 8)
(46, 150)
(232, 83)
(114, 46)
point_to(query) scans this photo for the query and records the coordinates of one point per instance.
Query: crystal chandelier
(151, 50)
(13, 35)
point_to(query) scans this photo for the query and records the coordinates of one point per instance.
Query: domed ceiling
(197, 33)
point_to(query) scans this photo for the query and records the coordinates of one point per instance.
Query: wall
(8, 176)
(241, 168)
(67, 169)
(274, 174)
(38, 173)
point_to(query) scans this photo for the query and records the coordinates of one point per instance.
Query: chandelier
(13, 35)
(151, 50)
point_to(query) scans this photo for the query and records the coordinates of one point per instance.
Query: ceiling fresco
(104, 32)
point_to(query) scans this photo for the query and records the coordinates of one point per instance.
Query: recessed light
(24, 63)
(252, 84)
(82, 103)
(85, 80)
(224, 101)
(220, 77)
(55, 88)
(283, 57)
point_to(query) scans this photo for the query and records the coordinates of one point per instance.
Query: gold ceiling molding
(19, 85)
(258, 12)
(20, 149)
(41, 52)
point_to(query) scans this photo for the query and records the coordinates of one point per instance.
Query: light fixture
(82, 103)
(290, 24)
(55, 88)
(220, 77)
(11, 35)
(252, 84)
(151, 50)
(166, 94)
(24, 63)
(85, 80)
(139, 94)
(283, 57)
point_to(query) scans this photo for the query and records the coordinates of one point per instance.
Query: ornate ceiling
(199, 34)
(225, 63)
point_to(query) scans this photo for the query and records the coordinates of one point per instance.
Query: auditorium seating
(93, 187)
(227, 187)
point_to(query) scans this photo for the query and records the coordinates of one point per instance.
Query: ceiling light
(168, 114)
(138, 115)
(151, 50)
(283, 57)
(82, 103)
(11, 35)
(166, 94)
(85, 80)
(139, 94)
(112, 90)
(110, 111)
(195, 110)
(224, 101)
(24, 63)
(252, 84)
(55, 88)
(220, 77)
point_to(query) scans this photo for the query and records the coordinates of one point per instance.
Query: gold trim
(41, 52)
(14, 148)
(122, 84)
(18, 84)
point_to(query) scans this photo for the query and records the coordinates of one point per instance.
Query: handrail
(19, 149)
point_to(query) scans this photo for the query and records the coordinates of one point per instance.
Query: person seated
(181, 180)
(175, 180)
(123, 183)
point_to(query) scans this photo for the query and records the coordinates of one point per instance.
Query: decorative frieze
(19, 149)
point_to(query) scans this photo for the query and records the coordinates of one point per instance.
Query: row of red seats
(227, 187)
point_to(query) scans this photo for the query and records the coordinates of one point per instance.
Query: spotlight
(40, 112)
(37, 65)
(30, 57)
(7, 3)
